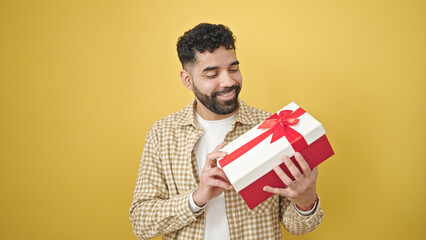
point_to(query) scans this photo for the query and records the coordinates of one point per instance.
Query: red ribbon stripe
(278, 125)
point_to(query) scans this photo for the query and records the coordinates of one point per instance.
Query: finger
(217, 173)
(211, 160)
(213, 182)
(215, 155)
(315, 171)
(302, 163)
(277, 191)
(292, 168)
(281, 174)
(221, 145)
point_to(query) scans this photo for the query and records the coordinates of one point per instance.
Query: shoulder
(170, 121)
(175, 121)
(258, 112)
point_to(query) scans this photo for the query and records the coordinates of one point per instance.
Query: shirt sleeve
(308, 212)
(153, 212)
(299, 223)
(194, 207)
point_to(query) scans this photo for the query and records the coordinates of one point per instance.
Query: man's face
(216, 80)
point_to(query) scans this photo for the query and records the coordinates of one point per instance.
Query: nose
(226, 80)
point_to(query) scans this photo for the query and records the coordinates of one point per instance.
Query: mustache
(226, 89)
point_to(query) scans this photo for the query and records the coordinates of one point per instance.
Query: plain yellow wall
(83, 81)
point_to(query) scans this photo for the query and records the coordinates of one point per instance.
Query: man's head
(203, 37)
(211, 69)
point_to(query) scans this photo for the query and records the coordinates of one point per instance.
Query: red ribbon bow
(278, 126)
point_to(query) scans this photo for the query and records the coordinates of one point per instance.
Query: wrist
(192, 206)
(197, 200)
(307, 207)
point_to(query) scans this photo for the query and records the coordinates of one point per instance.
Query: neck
(206, 114)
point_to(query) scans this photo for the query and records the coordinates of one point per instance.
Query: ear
(186, 79)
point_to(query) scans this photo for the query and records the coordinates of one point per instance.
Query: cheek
(239, 78)
(207, 87)
(212, 86)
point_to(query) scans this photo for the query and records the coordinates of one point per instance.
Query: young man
(180, 192)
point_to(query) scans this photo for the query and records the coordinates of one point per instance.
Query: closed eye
(212, 76)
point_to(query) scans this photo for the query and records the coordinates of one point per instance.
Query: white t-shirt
(214, 132)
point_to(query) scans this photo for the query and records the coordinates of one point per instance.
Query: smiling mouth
(226, 95)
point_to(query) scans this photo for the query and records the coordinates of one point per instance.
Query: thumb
(221, 145)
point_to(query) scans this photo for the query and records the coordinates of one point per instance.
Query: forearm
(152, 218)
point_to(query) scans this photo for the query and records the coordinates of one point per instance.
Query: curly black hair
(204, 36)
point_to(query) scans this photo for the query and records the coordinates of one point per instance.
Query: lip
(226, 96)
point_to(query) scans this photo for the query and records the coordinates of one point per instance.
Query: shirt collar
(187, 116)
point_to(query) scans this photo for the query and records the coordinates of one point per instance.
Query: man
(180, 192)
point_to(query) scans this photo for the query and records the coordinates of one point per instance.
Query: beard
(216, 105)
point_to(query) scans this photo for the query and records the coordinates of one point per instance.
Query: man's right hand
(213, 180)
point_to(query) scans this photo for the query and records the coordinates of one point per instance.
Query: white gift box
(252, 169)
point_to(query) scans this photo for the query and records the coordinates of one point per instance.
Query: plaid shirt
(168, 174)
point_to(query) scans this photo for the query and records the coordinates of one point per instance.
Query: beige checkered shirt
(168, 174)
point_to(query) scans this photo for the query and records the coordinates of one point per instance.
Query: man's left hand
(301, 191)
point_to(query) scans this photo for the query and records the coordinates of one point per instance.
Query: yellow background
(83, 81)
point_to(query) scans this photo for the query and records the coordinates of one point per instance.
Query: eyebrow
(209, 69)
(206, 69)
(234, 63)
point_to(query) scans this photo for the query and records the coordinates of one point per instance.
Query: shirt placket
(193, 135)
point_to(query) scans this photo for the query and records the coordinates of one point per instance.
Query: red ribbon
(278, 125)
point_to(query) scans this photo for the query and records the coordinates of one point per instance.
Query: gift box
(252, 156)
